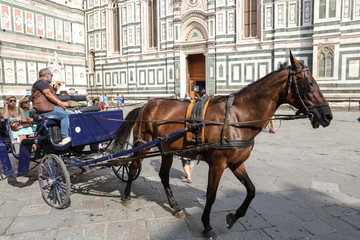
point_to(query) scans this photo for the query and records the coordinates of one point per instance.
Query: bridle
(301, 87)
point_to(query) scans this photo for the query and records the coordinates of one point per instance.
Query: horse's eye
(311, 84)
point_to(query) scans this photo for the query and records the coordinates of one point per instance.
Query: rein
(206, 122)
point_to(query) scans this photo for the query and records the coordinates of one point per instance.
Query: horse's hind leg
(215, 173)
(164, 174)
(242, 175)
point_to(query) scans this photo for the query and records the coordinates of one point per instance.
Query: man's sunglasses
(26, 101)
(12, 100)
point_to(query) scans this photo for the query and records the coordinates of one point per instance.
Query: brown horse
(252, 105)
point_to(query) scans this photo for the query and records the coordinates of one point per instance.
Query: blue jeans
(60, 114)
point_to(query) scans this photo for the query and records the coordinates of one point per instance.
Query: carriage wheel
(277, 124)
(54, 180)
(122, 172)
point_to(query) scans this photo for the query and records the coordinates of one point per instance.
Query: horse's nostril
(328, 117)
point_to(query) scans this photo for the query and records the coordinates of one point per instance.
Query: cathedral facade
(152, 48)
(39, 34)
(164, 47)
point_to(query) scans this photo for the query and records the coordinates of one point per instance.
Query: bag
(15, 125)
(74, 104)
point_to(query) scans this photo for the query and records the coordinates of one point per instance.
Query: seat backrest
(13, 141)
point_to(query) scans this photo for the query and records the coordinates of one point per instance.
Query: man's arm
(52, 98)
(57, 85)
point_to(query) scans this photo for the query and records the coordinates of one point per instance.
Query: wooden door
(196, 74)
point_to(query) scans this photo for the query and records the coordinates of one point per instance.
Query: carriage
(91, 133)
(224, 137)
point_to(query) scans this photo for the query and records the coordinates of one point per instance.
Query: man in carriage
(48, 105)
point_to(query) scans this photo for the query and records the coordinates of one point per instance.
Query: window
(152, 20)
(221, 71)
(91, 62)
(116, 37)
(327, 9)
(326, 62)
(250, 18)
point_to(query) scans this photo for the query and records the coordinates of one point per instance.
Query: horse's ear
(294, 62)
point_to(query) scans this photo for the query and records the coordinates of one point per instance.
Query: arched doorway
(196, 75)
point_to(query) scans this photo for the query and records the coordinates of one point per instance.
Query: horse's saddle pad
(196, 113)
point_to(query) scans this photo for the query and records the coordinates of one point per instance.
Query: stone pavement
(307, 188)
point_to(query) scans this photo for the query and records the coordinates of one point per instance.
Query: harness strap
(200, 149)
(229, 104)
(188, 116)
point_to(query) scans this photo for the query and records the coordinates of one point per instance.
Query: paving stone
(96, 216)
(196, 210)
(226, 204)
(254, 234)
(94, 231)
(136, 213)
(39, 235)
(287, 231)
(343, 235)
(345, 199)
(325, 186)
(5, 237)
(338, 211)
(253, 220)
(317, 227)
(70, 233)
(310, 198)
(11, 208)
(275, 218)
(4, 224)
(35, 223)
(338, 224)
(90, 205)
(127, 231)
(353, 219)
(161, 211)
(30, 210)
(171, 228)
(273, 203)
(195, 225)
(310, 214)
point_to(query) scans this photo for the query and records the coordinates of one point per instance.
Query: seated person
(24, 103)
(11, 112)
(96, 102)
(48, 105)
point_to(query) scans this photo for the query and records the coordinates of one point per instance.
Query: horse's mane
(249, 87)
(282, 67)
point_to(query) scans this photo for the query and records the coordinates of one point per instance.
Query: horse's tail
(123, 133)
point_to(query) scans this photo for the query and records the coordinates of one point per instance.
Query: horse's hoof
(211, 235)
(230, 220)
(126, 202)
(179, 214)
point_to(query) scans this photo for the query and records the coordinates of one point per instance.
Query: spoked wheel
(122, 172)
(277, 124)
(54, 180)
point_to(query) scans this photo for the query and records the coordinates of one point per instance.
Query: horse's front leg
(166, 162)
(242, 175)
(215, 173)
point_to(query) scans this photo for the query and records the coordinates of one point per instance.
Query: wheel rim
(122, 172)
(54, 181)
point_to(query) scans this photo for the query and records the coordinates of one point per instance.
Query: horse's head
(304, 93)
